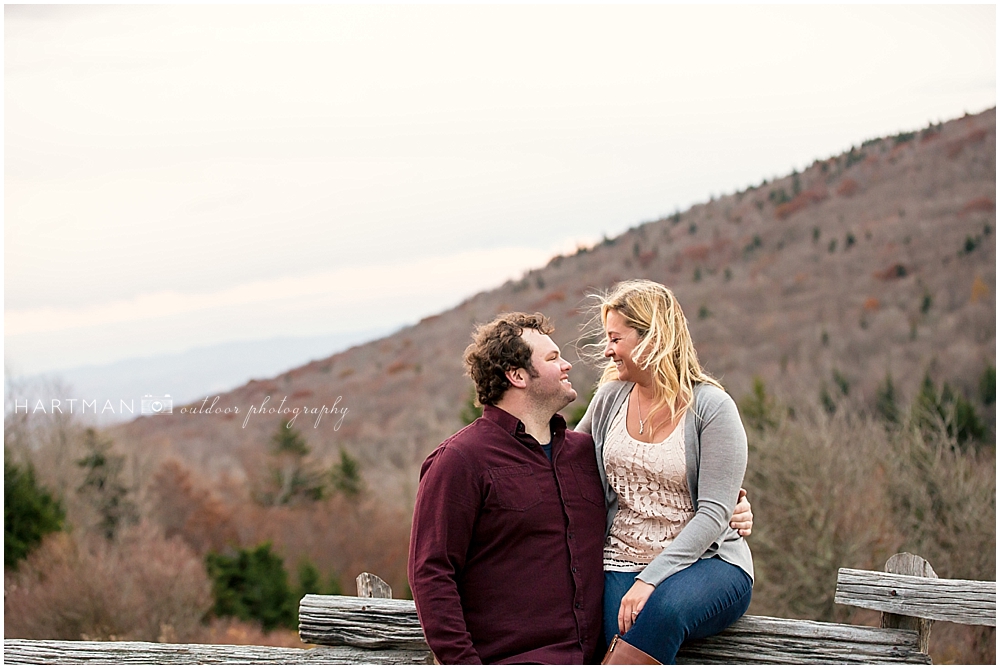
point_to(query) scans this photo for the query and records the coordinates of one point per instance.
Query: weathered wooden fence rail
(375, 629)
(24, 651)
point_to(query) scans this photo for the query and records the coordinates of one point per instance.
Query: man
(507, 542)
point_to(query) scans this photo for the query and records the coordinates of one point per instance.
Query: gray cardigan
(715, 445)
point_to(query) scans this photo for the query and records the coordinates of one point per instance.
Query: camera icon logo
(154, 404)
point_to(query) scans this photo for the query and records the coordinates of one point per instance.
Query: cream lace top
(654, 502)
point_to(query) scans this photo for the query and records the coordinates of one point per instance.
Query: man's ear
(517, 377)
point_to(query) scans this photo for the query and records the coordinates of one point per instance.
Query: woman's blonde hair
(665, 347)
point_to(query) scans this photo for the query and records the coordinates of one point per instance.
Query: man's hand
(742, 516)
(632, 604)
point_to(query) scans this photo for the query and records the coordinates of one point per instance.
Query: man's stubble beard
(555, 401)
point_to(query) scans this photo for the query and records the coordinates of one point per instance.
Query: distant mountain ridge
(879, 260)
(191, 375)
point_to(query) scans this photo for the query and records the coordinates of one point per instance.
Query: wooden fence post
(908, 564)
(370, 585)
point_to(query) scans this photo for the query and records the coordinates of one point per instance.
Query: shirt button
(574, 570)
(578, 605)
(570, 535)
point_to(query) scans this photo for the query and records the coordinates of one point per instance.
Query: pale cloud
(166, 164)
(346, 300)
(354, 287)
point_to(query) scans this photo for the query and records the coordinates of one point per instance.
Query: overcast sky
(182, 176)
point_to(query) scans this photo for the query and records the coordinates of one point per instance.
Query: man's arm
(742, 519)
(447, 504)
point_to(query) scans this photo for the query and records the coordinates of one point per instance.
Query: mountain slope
(880, 260)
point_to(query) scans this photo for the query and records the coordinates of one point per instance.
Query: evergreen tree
(29, 512)
(295, 478)
(470, 410)
(577, 414)
(252, 585)
(988, 385)
(824, 398)
(964, 423)
(758, 410)
(842, 383)
(310, 583)
(102, 485)
(346, 475)
(885, 401)
(926, 406)
(309, 579)
(950, 410)
(288, 440)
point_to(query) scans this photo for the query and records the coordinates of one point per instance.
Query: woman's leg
(616, 584)
(694, 603)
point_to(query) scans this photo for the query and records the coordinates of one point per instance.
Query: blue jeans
(694, 603)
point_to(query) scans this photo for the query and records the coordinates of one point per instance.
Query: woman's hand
(742, 516)
(632, 604)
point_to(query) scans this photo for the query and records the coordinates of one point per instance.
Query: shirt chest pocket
(588, 483)
(515, 488)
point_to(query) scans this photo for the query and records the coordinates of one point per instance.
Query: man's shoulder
(472, 435)
(464, 445)
(579, 439)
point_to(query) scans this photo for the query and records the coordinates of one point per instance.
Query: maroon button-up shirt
(506, 547)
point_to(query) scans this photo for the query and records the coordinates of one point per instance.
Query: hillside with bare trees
(880, 261)
(849, 308)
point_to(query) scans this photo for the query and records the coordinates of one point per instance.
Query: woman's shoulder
(607, 393)
(601, 405)
(709, 398)
(609, 389)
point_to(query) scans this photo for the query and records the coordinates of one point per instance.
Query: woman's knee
(685, 599)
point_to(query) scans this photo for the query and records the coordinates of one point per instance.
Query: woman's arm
(720, 473)
(721, 468)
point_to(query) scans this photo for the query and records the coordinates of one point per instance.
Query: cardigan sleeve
(597, 411)
(586, 423)
(722, 464)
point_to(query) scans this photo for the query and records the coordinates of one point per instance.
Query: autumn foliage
(801, 201)
(148, 579)
(141, 586)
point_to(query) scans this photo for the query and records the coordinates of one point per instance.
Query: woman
(672, 452)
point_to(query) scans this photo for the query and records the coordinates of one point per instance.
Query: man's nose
(566, 366)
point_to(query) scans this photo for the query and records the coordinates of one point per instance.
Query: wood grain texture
(752, 640)
(765, 640)
(364, 623)
(23, 651)
(370, 585)
(957, 601)
(908, 564)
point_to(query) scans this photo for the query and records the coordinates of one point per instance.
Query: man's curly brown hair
(497, 348)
